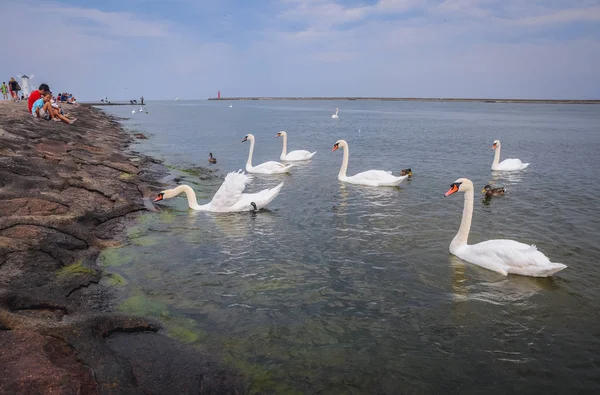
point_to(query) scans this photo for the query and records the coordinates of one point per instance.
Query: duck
(406, 172)
(229, 198)
(295, 155)
(270, 167)
(211, 159)
(502, 255)
(374, 178)
(489, 191)
(506, 164)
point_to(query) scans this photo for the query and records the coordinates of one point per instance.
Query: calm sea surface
(344, 289)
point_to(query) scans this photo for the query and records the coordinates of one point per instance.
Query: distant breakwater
(428, 99)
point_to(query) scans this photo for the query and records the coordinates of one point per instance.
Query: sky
(190, 49)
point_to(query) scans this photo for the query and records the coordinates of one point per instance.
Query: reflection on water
(507, 177)
(340, 288)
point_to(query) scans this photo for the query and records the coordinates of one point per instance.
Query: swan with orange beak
(502, 256)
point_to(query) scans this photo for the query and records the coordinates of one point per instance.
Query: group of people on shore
(66, 98)
(12, 89)
(42, 105)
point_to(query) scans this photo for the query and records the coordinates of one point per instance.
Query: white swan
(270, 167)
(335, 116)
(506, 164)
(229, 197)
(141, 109)
(374, 178)
(293, 155)
(133, 111)
(502, 256)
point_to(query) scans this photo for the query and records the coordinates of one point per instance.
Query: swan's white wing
(261, 199)
(230, 191)
(509, 256)
(376, 177)
(299, 155)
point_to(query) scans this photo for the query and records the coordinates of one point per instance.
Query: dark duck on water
(406, 172)
(211, 159)
(489, 191)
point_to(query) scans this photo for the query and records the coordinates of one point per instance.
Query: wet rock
(140, 136)
(31, 206)
(31, 363)
(187, 371)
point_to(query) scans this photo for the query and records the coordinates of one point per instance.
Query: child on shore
(4, 90)
(42, 108)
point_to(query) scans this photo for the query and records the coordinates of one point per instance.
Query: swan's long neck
(284, 150)
(342, 173)
(190, 195)
(496, 156)
(249, 161)
(336, 111)
(465, 224)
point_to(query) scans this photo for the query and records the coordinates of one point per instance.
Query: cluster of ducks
(502, 256)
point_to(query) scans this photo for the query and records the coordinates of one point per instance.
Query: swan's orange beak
(245, 139)
(159, 197)
(453, 189)
(335, 147)
(278, 135)
(494, 146)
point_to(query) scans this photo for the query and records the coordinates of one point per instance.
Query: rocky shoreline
(67, 192)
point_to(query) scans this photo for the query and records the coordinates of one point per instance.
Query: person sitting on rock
(42, 108)
(36, 95)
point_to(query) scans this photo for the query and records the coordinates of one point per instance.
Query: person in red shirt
(37, 94)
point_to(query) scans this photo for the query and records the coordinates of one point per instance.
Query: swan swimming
(229, 198)
(502, 256)
(335, 116)
(506, 164)
(374, 178)
(292, 155)
(270, 167)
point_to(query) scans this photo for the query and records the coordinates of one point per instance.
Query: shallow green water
(340, 288)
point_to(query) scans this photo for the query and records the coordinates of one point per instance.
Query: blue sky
(400, 48)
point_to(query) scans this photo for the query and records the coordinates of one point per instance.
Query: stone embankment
(67, 192)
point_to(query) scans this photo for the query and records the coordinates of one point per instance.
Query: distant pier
(118, 103)
(428, 99)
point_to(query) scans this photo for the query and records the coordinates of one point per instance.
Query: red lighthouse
(218, 94)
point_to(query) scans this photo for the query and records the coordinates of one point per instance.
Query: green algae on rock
(113, 280)
(145, 241)
(116, 256)
(141, 305)
(75, 269)
(126, 176)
